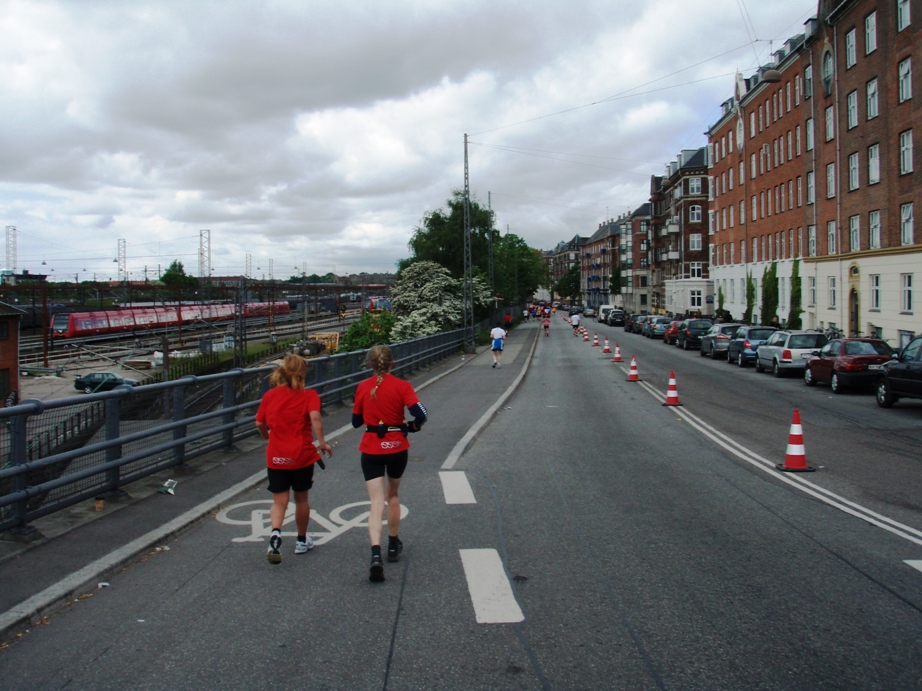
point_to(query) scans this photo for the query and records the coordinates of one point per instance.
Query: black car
(101, 381)
(616, 317)
(690, 333)
(901, 377)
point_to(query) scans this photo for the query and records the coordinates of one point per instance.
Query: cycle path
(80, 546)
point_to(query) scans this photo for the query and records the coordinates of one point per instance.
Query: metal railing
(60, 452)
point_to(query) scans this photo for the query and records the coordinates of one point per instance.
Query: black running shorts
(375, 465)
(299, 479)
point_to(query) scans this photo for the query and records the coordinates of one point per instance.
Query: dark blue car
(742, 348)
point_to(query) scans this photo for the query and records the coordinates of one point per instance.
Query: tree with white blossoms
(427, 300)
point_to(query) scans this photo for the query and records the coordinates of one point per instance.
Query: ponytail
(380, 360)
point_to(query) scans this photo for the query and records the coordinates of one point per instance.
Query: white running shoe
(303, 547)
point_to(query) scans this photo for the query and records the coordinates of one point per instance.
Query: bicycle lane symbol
(260, 527)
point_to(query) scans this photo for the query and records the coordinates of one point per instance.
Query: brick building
(816, 166)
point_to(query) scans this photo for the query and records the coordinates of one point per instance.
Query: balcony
(672, 255)
(672, 227)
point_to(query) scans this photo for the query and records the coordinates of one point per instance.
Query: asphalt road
(639, 547)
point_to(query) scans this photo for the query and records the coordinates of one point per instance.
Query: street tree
(175, 276)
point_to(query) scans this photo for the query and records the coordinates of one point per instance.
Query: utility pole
(490, 240)
(468, 309)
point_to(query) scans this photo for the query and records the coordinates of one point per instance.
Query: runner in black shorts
(379, 406)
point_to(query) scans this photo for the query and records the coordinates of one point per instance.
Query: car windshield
(807, 341)
(662, 320)
(728, 329)
(699, 324)
(867, 348)
(760, 334)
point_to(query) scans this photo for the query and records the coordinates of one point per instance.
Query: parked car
(589, 312)
(637, 325)
(742, 348)
(602, 314)
(847, 363)
(717, 340)
(615, 317)
(787, 351)
(901, 377)
(671, 332)
(657, 326)
(101, 381)
(690, 333)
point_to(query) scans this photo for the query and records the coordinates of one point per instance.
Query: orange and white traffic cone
(586, 336)
(595, 340)
(633, 375)
(796, 458)
(617, 357)
(606, 349)
(672, 393)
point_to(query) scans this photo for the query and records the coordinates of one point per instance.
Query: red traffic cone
(606, 349)
(632, 374)
(796, 458)
(672, 393)
(617, 357)
(595, 339)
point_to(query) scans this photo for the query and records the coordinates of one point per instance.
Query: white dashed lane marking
(491, 593)
(456, 487)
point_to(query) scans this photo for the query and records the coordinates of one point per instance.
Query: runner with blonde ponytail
(379, 404)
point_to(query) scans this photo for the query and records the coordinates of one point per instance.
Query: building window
(854, 233)
(811, 290)
(800, 191)
(809, 129)
(730, 141)
(731, 216)
(906, 284)
(905, 152)
(694, 298)
(755, 250)
(870, 33)
(906, 224)
(831, 282)
(853, 171)
(831, 240)
(808, 81)
(694, 185)
(695, 269)
(852, 109)
(810, 198)
(874, 230)
(811, 241)
(712, 221)
(731, 178)
(694, 241)
(796, 89)
(694, 213)
(790, 145)
(797, 138)
(851, 53)
(752, 125)
(752, 166)
(830, 180)
(905, 80)
(830, 123)
(875, 291)
(872, 98)
(873, 164)
(902, 14)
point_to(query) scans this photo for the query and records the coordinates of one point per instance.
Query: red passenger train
(132, 319)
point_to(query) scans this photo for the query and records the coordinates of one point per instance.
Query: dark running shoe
(274, 555)
(376, 570)
(394, 549)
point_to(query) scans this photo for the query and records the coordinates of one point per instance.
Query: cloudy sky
(316, 134)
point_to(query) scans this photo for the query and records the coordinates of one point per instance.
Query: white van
(602, 314)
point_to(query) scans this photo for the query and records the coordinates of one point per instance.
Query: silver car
(786, 351)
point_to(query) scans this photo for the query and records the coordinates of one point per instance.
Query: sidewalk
(80, 547)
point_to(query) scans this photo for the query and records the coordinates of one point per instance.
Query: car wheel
(776, 369)
(808, 377)
(759, 367)
(87, 389)
(836, 384)
(740, 362)
(885, 397)
(702, 353)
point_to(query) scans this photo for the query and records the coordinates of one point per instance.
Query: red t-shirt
(387, 406)
(287, 412)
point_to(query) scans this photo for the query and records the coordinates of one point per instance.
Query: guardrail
(61, 452)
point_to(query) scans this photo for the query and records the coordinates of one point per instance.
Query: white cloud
(323, 132)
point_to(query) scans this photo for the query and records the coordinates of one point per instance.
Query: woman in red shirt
(379, 404)
(289, 417)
